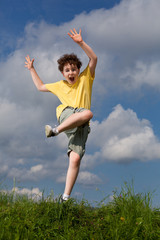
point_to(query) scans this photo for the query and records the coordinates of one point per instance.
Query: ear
(62, 74)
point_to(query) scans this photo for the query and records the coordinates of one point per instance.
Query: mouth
(71, 79)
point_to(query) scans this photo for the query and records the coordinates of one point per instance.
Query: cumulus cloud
(47, 169)
(122, 137)
(34, 193)
(88, 179)
(142, 73)
(85, 178)
(126, 39)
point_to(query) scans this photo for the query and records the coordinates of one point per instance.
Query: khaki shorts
(77, 136)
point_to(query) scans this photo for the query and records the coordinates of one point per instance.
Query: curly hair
(68, 58)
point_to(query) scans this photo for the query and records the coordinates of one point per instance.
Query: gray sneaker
(49, 131)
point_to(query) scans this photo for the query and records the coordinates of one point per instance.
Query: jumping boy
(74, 113)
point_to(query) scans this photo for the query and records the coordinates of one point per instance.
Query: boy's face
(70, 72)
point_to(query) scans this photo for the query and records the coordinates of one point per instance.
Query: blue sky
(124, 143)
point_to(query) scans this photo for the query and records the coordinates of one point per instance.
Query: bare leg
(75, 120)
(72, 173)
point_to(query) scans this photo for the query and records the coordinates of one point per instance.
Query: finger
(72, 32)
(28, 58)
(26, 65)
(80, 31)
(75, 31)
(69, 34)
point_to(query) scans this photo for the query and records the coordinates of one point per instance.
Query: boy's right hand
(29, 62)
(77, 37)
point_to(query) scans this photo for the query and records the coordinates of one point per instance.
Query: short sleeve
(52, 87)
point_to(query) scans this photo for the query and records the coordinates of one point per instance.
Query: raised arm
(36, 79)
(77, 37)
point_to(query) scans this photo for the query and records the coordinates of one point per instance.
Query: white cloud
(122, 137)
(125, 36)
(126, 39)
(49, 168)
(85, 178)
(36, 168)
(88, 179)
(34, 193)
(122, 37)
(142, 73)
(90, 160)
(140, 146)
(131, 25)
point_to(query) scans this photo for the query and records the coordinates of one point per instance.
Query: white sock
(65, 196)
(55, 130)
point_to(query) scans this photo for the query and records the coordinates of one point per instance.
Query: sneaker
(62, 200)
(49, 131)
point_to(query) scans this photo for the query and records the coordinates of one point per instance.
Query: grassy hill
(128, 216)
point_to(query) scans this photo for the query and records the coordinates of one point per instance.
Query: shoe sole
(48, 131)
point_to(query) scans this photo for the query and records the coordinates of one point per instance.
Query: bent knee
(88, 115)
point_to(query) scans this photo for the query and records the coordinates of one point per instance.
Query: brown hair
(68, 58)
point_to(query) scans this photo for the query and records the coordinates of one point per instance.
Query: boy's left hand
(75, 36)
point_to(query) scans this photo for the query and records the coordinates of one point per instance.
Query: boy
(74, 113)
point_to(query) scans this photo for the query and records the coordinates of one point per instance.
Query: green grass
(128, 216)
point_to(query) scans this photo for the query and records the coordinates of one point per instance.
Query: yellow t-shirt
(76, 95)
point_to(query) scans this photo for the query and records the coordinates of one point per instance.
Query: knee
(75, 160)
(88, 115)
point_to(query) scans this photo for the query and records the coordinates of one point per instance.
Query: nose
(71, 71)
